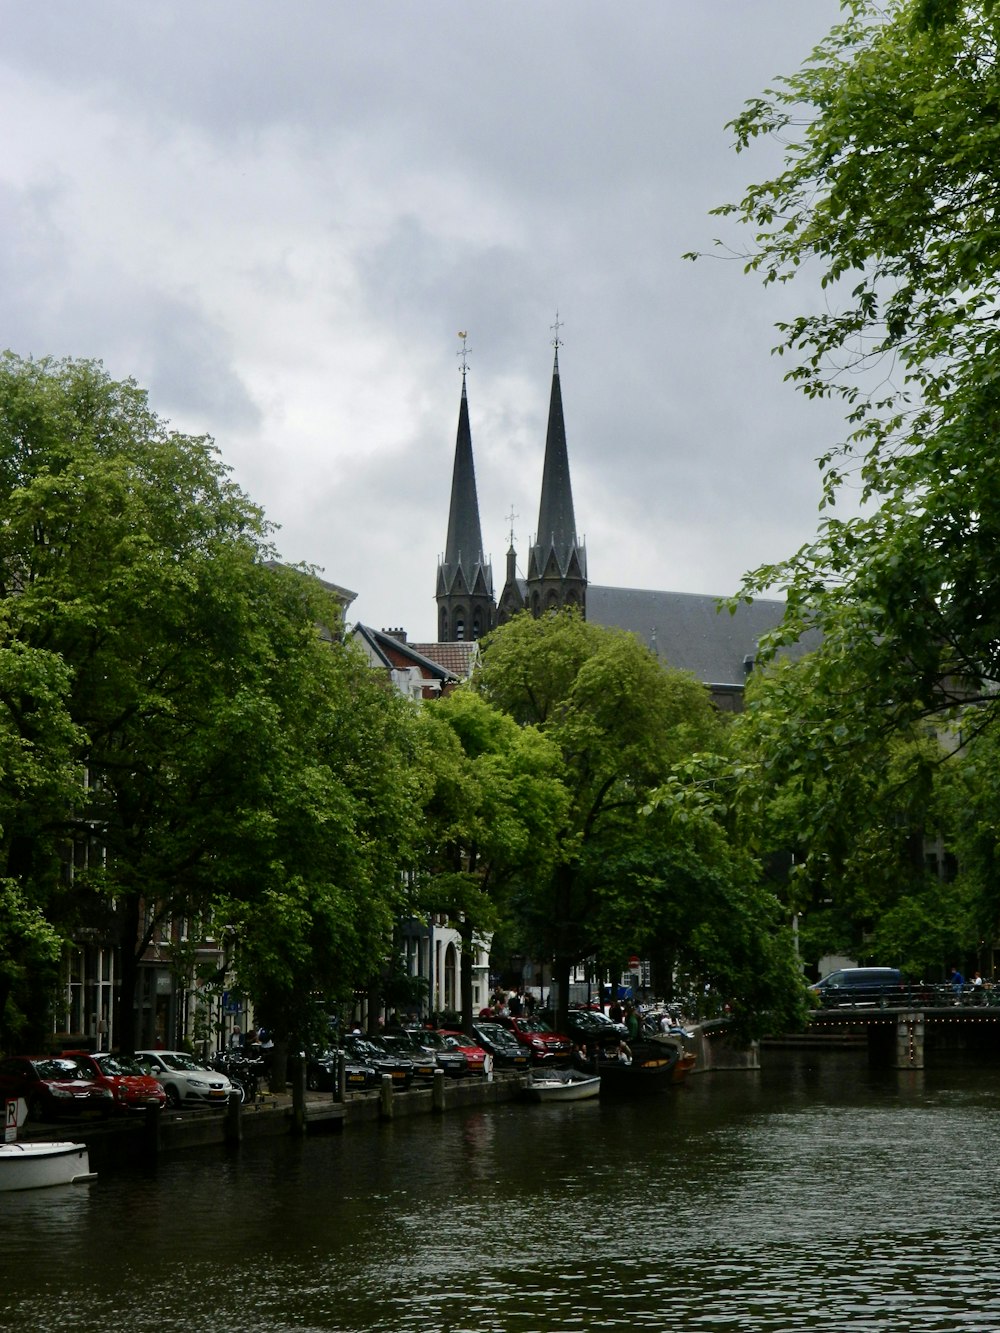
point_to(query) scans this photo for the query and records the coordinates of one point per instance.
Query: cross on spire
(464, 353)
(510, 519)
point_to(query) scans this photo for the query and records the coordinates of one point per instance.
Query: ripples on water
(816, 1196)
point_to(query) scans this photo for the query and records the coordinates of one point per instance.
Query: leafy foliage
(645, 857)
(181, 736)
(887, 198)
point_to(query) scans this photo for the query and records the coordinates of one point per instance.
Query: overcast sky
(278, 217)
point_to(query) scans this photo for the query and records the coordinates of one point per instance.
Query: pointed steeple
(557, 563)
(466, 608)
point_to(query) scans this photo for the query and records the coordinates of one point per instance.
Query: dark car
(406, 1042)
(588, 1028)
(507, 1051)
(131, 1087)
(53, 1087)
(543, 1045)
(322, 1071)
(448, 1058)
(374, 1051)
(860, 986)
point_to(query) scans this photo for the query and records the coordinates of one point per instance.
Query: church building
(687, 630)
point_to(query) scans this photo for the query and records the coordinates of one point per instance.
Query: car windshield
(397, 1041)
(178, 1060)
(495, 1035)
(119, 1065)
(433, 1040)
(63, 1068)
(361, 1048)
(533, 1025)
(460, 1039)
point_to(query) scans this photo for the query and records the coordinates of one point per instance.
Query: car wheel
(174, 1098)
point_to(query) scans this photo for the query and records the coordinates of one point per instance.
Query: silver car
(185, 1081)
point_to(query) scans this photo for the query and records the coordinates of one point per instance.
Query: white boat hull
(556, 1089)
(33, 1166)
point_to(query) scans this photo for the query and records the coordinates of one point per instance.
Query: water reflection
(815, 1196)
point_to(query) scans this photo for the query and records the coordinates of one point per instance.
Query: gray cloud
(277, 220)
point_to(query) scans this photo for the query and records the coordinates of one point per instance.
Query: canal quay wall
(155, 1133)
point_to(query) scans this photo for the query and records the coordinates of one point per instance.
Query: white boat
(562, 1085)
(33, 1166)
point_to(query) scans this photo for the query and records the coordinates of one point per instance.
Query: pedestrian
(957, 983)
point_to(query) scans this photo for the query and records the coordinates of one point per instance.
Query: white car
(185, 1081)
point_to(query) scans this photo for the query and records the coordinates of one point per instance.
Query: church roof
(690, 631)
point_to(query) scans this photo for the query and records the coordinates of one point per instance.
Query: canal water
(817, 1194)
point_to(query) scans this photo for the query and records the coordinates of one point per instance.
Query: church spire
(557, 563)
(465, 580)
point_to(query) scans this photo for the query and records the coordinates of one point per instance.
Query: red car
(53, 1086)
(475, 1056)
(131, 1087)
(545, 1045)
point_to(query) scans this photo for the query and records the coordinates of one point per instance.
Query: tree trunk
(128, 976)
(278, 1072)
(560, 979)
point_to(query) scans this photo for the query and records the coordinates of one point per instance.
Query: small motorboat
(562, 1085)
(648, 1067)
(32, 1166)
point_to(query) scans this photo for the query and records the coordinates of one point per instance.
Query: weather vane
(556, 341)
(464, 353)
(510, 519)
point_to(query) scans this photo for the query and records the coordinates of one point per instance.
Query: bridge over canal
(900, 1036)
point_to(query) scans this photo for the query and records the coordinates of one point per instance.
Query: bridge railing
(918, 995)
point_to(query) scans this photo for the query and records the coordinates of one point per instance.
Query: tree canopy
(887, 198)
(887, 201)
(181, 738)
(646, 858)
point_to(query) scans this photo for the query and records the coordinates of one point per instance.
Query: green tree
(643, 860)
(853, 816)
(886, 199)
(494, 798)
(338, 822)
(216, 736)
(37, 775)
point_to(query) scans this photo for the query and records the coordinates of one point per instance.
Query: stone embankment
(149, 1136)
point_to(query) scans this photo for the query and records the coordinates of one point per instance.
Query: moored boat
(650, 1066)
(562, 1085)
(32, 1166)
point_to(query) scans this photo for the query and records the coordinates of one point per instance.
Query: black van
(880, 986)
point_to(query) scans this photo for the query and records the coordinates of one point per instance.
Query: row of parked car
(409, 1054)
(102, 1083)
